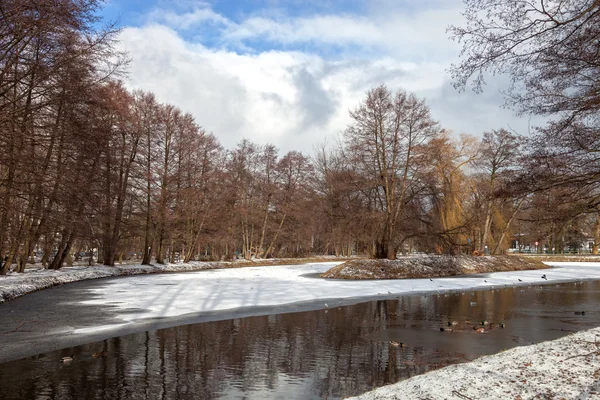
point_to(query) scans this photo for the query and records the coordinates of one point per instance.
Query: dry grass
(264, 262)
(429, 266)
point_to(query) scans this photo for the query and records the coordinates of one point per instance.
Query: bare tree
(550, 50)
(383, 143)
(499, 155)
(294, 171)
(51, 57)
(343, 218)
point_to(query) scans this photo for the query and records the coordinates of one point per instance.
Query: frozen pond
(332, 353)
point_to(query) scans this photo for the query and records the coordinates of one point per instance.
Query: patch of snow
(565, 368)
(13, 285)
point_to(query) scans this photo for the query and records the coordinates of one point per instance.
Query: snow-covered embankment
(565, 368)
(15, 285)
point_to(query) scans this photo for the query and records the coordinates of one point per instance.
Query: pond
(330, 353)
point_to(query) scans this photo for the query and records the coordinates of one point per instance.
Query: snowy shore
(14, 285)
(565, 368)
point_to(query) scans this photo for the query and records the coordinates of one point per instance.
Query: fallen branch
(591, 353)
(462, 396)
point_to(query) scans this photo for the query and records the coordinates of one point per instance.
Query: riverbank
(14, 285)
(430, 266)
(565, 368)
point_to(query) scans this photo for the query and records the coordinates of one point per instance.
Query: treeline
(86, 164)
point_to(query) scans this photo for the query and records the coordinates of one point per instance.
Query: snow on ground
(166, 295)
(14, 285)
(172, 295)
(565, 368)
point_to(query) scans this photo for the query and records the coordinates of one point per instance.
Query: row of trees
(549, 49)
(86, 164)
(424, 189)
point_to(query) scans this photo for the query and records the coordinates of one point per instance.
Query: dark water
(322, 354)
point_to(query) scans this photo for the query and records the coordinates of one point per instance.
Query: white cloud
(386, 30)
(187, 20)
(296, 99)
(421, 36)
(331, 29)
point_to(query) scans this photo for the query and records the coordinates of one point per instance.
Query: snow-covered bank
(15, 285)
(228, 284)
(565, 368)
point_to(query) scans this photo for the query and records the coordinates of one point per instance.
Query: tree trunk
(148, 240)
(486, 226)
(193, 243)
(596, 244)
(391, 252)
(275, 237)
(507, 226)
(263, 230)
(63, 250)
(160, 251)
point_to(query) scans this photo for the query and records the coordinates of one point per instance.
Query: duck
(452, 323)
(446, 329)
(99, 354)
(484, 322)
(396, 344)
(520, 280)
(501, 325)
(544, 277)
(67, 359)
(579, 312)
(480, 330)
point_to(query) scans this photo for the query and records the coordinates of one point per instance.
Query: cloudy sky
(286, 72)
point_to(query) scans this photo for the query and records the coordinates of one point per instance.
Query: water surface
(325, 354)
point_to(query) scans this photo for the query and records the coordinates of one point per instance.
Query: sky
(287, 72)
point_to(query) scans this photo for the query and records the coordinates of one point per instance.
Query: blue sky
(137, 13)
(133, 12)
(287, 71)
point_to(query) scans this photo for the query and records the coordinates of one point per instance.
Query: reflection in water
(320, 354)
